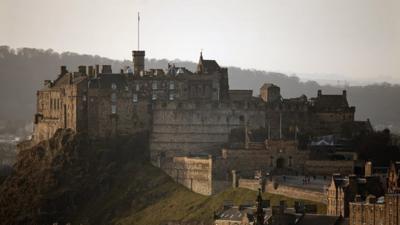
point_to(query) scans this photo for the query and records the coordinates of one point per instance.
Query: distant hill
(22, 72)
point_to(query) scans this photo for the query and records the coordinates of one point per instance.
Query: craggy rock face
(52, 180)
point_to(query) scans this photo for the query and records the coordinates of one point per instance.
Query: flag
(138, 16)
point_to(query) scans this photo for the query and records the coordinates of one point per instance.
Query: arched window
(113, 97)
(113, 86)
(113, 109)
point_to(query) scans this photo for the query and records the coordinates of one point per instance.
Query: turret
(138, 62)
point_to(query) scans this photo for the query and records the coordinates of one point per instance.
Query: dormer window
(113, 86)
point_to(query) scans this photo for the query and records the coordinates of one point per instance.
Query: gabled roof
(330, 101)
(207, 66)
(210, 65)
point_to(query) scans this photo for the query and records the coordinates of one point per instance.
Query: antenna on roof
(138, 31)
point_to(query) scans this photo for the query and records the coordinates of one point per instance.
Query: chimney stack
(91, 71)
(344, 93)
(82, 69)
(319, 93)
(64, 70)
(97, 70)
(138, 61)
(106, 69)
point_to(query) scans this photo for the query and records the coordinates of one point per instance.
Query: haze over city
(355, 41)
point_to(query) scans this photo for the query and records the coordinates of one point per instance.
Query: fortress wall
(198, 128)
(296, 192)
(192, 172)
(325, 167)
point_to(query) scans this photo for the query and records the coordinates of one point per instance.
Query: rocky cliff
(54, 179)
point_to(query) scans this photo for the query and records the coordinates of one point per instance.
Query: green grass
(171, 201)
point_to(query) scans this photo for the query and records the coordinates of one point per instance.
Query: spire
(200, 67)
(260, 212)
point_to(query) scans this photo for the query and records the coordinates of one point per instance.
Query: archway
(280, 163)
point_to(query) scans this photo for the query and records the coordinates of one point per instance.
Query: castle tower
(138, 61)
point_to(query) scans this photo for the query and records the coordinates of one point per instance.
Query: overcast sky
(354, 40)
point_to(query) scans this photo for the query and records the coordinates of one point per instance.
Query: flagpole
(138, 30)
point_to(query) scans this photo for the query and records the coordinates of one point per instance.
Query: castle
(193, 115)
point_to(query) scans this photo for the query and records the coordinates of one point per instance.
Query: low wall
(325, 167)
(252, 184)
(296, 192)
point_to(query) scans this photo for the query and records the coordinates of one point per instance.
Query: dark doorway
(280, 163)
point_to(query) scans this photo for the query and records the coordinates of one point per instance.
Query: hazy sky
(354, 40)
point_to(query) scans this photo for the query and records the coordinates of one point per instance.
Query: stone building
(382, 211)
(190, 113)
(343, 190)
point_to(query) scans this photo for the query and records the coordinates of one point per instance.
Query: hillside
(22, 72)
(70, 179)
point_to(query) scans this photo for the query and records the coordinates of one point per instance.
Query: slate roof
(104, 81)
(317, 219)
(234, 214)
(210, 66)
(324, 102)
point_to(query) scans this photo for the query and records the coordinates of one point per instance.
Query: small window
(137, 87)
(154, 85)
(83, 98)
(135, 98)
(154, 96)
(126, 88)
(113, 86)
(113, 97)
(113, 109)
(171, 85)
(171, 97)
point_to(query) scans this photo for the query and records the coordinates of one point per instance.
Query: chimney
(138, 61)
(97, 70)
(235, 180)
(368, 169)
(357, 198)
(82, 69)
(91, 71)
(106, 69)
(47, 83)
(319, 93)
(371, 199)
(64, 70)
(345, 93)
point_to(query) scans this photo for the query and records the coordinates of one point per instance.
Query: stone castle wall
(183, 128)
(296, 192)
(195, 173)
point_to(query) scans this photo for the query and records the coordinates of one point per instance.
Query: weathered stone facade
(344, 190)
(189, 113)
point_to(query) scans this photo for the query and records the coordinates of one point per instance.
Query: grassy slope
(149, 197)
